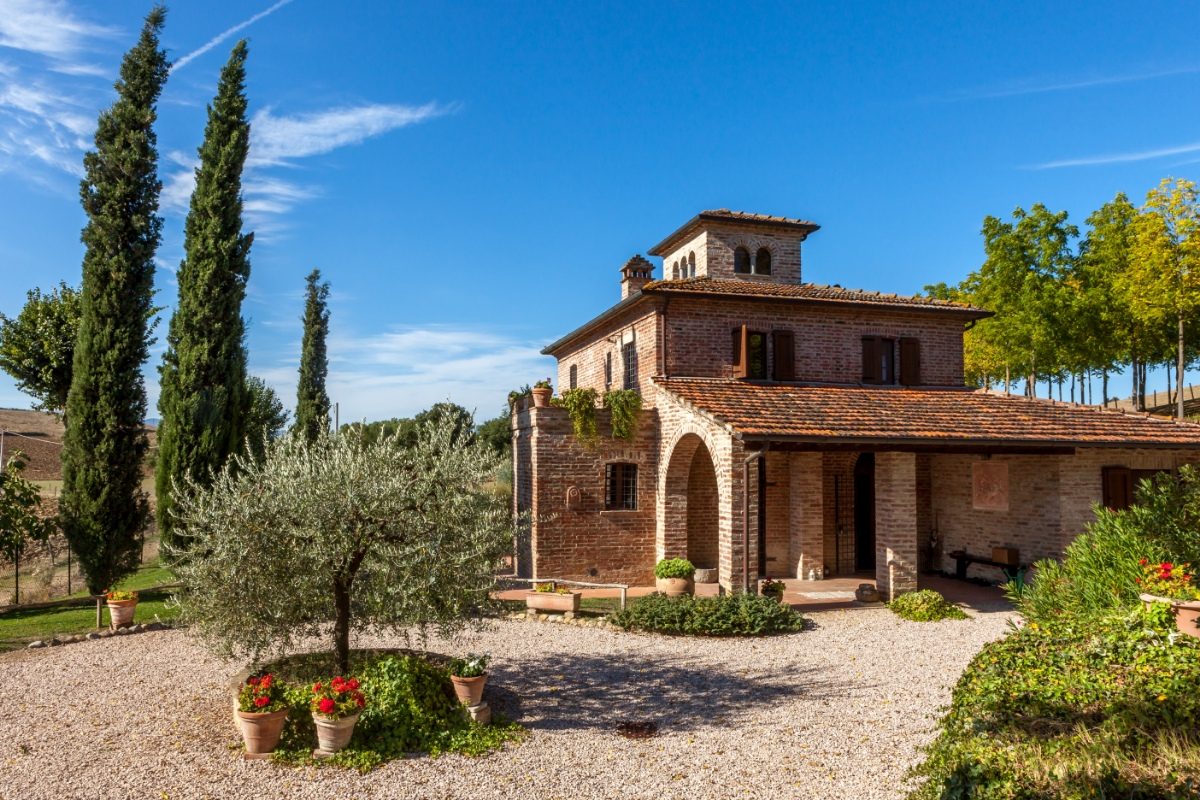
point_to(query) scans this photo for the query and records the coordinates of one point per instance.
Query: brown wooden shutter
(871, 357)
(1118, 487)
(910, 362)
(741, 358)
(785, 355)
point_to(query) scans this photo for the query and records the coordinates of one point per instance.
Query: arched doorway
(690, 505)
(864, 513)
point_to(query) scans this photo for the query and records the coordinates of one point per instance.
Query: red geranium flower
(316, 687)
(261, 701)
(353, 683)
(326, 705)
(265, 683)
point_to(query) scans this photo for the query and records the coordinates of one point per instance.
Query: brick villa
(795, 430)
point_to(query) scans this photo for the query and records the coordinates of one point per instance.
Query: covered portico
(805, 482)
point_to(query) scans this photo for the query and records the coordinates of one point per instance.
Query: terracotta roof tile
(925, 416)
(803, 292)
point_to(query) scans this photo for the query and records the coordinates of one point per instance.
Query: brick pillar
(895, 523)
(807, 514)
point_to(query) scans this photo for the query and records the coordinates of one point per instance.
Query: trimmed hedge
(925, 605)
(723, 615)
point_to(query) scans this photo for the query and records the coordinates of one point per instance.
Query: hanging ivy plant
(626, 407)
(581, 408)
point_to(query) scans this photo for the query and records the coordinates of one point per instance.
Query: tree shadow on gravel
(561, 692)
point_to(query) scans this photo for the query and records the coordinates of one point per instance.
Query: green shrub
(723, 615)
(581, 408)
(925, 605)
(626, 407)
(1073, 710)
(674, 568)
(411, 708)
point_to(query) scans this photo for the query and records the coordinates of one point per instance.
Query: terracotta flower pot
(541, 397)
(552, 601)
(674, 587)
(469, 690)
(1187, 617)
(1150, 599)
(334, 734)
(120, 612)
(261, 732)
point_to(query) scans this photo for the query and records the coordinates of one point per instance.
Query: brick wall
(828, 340)
(588, 355)
(807, 551)
(1050, 501)
(587, 542)
(703, 514)
(896, 525)
(714, 248)
(838, 520)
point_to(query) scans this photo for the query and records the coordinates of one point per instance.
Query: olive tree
(369, 536)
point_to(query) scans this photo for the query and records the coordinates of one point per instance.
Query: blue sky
(470, 177)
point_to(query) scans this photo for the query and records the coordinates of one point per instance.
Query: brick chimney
(636, 273)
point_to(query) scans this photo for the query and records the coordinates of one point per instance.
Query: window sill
(617, 512)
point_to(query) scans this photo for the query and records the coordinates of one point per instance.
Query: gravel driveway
(835, 712)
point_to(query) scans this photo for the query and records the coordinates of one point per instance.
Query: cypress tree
(312, 403)
(103, 507)
(204, 399)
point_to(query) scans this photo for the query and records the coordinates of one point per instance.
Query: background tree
(266, 418)
(38, 345)
(203, 403)
(1104, 263)
(103, 507)
(20, 522)
(1164, 281)
(312, 403)
(373, 536)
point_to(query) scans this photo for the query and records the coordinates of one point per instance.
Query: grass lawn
(19, 627)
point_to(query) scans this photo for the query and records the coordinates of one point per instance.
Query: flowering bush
(547, 588)
(472, 666)
(771, 588)
(1165, 579)
(262, 694)
(337, 698)
(119, 595)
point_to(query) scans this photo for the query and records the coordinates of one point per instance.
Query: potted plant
(673, 577)
(771, 588)
(469, 675)
(261, 712)
(121, 606)
(1166, 582)
(541, 393)
(335, 705)
(552, 597)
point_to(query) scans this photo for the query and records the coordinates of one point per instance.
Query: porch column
(807, 514)
(895, 523)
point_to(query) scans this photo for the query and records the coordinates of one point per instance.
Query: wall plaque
(990, 483)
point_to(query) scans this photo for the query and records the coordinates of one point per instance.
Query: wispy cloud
(225, 34)
(1032, 87)
(48, 28)
(1120, 158)
(44, 121)
(276, 139)
(400, 372)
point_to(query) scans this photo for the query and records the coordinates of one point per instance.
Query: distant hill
(39, 436)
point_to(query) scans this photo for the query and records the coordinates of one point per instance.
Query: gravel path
(835, 712)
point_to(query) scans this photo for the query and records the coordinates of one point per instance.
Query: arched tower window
(762, 262)
(675, 271)
(741, 261)
(691, 265)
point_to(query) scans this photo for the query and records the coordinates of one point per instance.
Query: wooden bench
(963, 559)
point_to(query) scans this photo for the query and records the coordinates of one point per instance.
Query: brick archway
(690, 504)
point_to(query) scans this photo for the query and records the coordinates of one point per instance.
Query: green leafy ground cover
(411, 708)
(925, 605)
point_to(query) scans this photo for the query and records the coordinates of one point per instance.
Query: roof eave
(594, 322)
(962, 443)
(968, 312)
(692, 224)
